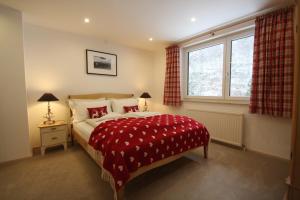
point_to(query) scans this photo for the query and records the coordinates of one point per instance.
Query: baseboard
(250, 150)
(15, 160)
(36, 151)
(227, 144)
(268, 155)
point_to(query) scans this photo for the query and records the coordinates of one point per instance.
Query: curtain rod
(232, 23)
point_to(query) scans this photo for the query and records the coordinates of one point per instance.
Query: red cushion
(97, 112)
(131, 108)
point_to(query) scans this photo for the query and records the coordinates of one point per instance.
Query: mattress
(83, 129)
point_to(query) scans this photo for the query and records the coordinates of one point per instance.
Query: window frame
(227, 42)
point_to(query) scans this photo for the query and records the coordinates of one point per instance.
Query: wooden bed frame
(75, 135)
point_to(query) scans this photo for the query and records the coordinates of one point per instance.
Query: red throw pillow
(97, 112)
(131, 108)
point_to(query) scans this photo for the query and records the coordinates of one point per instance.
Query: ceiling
(133, 22)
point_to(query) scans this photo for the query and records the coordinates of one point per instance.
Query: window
(220, 69)
(206, 71)
(241, 66)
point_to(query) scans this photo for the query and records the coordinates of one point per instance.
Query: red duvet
(130, 143)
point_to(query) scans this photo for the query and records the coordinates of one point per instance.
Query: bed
(87, 136)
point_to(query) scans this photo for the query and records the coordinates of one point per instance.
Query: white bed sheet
(83, 129)
(110, 116)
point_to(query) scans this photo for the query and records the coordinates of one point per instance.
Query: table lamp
(145, 96)
(47, 97)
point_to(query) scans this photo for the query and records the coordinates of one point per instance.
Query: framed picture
(101, 63)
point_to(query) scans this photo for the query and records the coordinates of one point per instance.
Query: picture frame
(101, 63)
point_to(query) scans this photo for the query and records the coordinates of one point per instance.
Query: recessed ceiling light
(86, 20)
(193, 19)
(151, 39)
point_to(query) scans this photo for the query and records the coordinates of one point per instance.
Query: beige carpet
(228, 174)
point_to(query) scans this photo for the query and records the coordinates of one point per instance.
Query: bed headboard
(100, 95)
(96, 96)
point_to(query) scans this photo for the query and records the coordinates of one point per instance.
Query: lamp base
(145, 106)
(145, 109)
(49, 116)
(49, 122)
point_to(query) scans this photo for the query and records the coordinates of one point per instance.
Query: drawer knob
(54, 138)
(53, 128)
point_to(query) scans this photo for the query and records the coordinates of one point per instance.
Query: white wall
(14, 142)
(262, 133)
(55, 62)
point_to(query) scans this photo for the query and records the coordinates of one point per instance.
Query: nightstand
(53, 135)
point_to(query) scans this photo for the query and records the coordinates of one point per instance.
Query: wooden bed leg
(205, 148)
(120, 194)
(72, 136)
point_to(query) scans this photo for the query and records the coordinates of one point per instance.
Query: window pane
(241, 66)
(206, 71)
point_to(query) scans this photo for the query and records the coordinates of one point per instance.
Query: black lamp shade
(145, 95)
(48, 97)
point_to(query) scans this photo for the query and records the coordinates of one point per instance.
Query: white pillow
(118, 104)
(79, 108)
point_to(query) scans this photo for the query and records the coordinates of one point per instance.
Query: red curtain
(273, 64)
(172, 77)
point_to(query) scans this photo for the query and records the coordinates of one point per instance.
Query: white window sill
(217, 101)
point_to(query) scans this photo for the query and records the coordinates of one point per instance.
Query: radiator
(223, 127)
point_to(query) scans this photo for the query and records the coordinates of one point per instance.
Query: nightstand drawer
(53, 128)
(53, 138)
